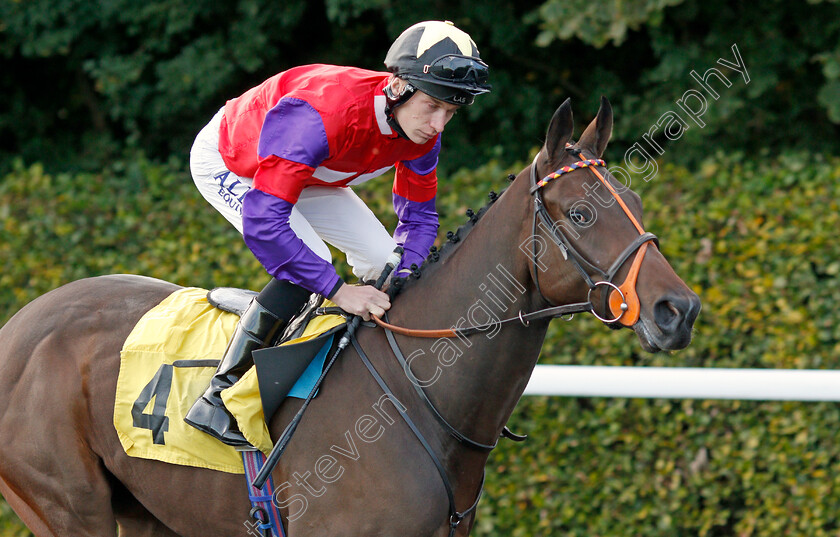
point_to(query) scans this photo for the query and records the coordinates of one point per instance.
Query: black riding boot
(266, 316)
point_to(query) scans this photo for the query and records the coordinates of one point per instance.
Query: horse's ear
(597, 134)
(559, 130)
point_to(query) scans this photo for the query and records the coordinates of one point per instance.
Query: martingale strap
(458, 435)
(266, 516)
(455, 516)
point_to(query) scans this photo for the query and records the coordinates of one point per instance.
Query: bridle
(624, 303)
(621, 300)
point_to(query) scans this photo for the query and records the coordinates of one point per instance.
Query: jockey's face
(422, 117)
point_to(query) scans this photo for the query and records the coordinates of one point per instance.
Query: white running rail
(685, 383)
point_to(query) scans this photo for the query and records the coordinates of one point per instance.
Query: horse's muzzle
(674, 316)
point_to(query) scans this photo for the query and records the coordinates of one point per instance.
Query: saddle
(281, 366)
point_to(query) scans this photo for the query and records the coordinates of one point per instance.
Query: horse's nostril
(668, 314)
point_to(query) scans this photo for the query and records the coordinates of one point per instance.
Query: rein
(524, 318)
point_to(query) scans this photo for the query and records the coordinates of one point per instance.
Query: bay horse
(354, 467)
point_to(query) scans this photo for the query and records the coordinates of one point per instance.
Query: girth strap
(264, 511)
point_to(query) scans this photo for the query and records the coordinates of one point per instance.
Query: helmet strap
(394, 101)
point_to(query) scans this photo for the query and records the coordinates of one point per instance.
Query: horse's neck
(477, 379)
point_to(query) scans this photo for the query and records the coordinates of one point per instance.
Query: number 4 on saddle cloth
(167, 361)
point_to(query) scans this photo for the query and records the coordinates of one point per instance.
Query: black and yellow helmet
(439, 60)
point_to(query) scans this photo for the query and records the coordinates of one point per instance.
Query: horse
(355, 466)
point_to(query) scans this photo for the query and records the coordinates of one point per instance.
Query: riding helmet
(440, 60)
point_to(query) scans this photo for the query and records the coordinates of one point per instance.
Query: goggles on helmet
(457, 68)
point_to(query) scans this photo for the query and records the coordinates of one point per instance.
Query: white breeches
(335, 215)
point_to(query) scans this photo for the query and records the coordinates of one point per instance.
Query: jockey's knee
(368, 265)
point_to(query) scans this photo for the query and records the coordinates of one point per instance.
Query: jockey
(277, 161)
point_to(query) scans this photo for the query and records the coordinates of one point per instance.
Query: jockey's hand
(362, 300)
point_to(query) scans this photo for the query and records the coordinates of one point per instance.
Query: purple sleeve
(425, 164)
(266, 229)
(294, 130)
(417, 229)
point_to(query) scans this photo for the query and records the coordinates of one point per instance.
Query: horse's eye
(580, 216)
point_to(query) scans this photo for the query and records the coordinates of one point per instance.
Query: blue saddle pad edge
(306, 381)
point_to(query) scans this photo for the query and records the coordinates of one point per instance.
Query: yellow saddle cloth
(166, 363)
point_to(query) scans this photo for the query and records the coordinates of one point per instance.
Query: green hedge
(756, 239)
